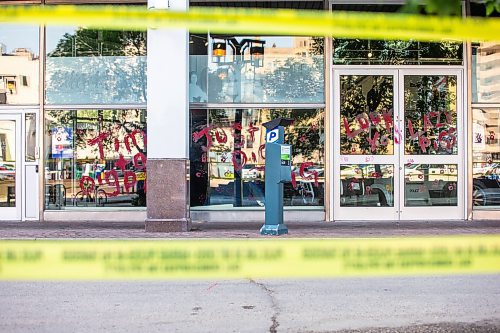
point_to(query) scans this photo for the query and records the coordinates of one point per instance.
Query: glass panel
(486, 73)
(430, 106)
(227, 157)
(486, 158)
(431, 184)
(7, 163)
(95, 158)
(19, 63)
(390, 52)
(30, 137)
(285, 70)
(366, 185)
(86, 66)
(366, 115)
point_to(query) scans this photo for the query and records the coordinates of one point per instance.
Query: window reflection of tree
(360, 96)
(425, 94)
(104, 72)
(119, 122)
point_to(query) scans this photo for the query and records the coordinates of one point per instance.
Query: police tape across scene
(261, 22)
(256, 258)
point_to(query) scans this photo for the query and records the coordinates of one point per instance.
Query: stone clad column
(168, 125)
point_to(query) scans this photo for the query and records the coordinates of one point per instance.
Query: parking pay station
(278, 171)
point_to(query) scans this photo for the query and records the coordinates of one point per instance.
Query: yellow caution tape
(257, 258)
(261, 22)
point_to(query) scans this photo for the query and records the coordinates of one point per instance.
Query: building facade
(165, 126)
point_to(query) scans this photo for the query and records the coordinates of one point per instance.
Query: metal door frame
(398, 159)
(15, 213)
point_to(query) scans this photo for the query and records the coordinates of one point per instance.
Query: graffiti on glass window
(228, 156)
(430, 115)
(97, 158)
(366, 112)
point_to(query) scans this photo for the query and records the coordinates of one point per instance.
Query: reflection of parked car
(7, 167)
(249, 172)
(7, 171)
(367, 185)
(486, 192)
(486, 184)
(413, 173)
(309, 171)
(486, 170)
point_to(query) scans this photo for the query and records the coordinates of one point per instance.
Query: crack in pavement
(274, 305)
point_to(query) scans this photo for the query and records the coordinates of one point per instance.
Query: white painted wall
(167, 105)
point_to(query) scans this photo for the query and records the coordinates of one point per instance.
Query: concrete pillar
(168, 125)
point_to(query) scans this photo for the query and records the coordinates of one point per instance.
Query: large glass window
(8, 161)
(88, 66)
(430, 103)
(431, 184)
(366, 112)
(486, 73)
(30, 137)
(486, 158)
(227, 156)
(391, 52)
(19, 64)
(95, 158)
(229, 69)
(366, 185)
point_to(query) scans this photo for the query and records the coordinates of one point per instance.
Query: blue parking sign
(273, 135)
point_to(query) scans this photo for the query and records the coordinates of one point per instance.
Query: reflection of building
(486, 86)
(380, 142)
(19, 77)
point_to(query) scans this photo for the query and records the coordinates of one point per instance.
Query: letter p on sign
(273, 135)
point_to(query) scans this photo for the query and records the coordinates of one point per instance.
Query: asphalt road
(410, 304)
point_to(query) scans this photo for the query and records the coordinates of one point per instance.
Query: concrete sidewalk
(122, 230)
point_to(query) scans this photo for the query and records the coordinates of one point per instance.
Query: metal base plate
(274, 229)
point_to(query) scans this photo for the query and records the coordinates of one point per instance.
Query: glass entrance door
(10, 161)
(397, 145)
(431, 163)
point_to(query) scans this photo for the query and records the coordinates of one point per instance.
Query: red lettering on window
(306, 175)
(129, 180)
(427, 123)
(115, 182)
(87, 185)
(117, 144)
(140, 156)
(237, 126)
(121, 163)
(373, 141)
(423, 142)
(252, 129)
(262, 148)
(131, 136)
(362, 121)
(243, 160)
(449, 118)
(98, 141)
(389, 122)
(220, 135)
(375, 118)
(203, 133)
(349, 134)
(413, 135)
(384, 140)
